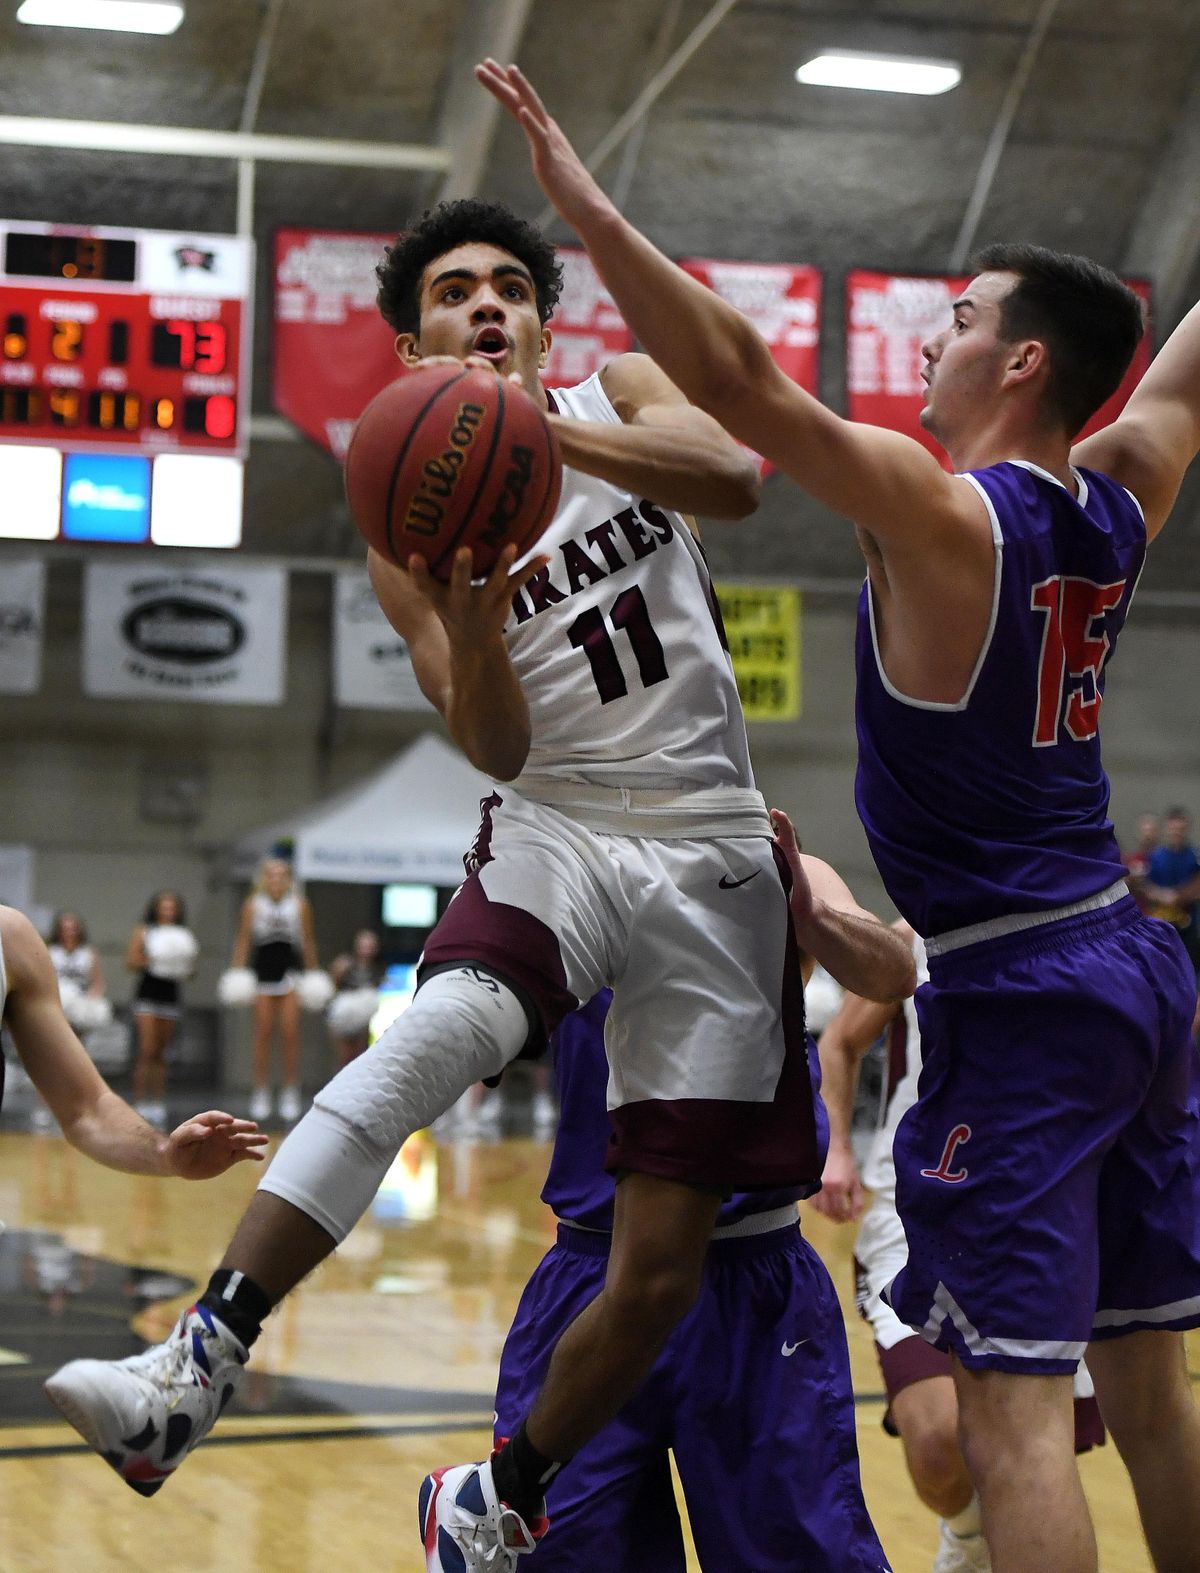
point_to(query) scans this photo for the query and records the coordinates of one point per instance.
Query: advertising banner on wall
(762, 626)
(331, 350)
(784, 304)
(22, 619)
(586, 326)
(372, 669)
(889, 316)
(204, 635)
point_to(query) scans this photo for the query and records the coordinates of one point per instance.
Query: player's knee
(939, 1470)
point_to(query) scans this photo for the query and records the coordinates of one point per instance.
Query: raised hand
(473, 613)
(557, 166)
(209, 1143)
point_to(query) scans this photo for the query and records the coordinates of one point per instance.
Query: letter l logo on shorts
(957, 1137)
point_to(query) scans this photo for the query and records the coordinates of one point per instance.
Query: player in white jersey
(624, 844)
(93, 1118)
(922, 1408)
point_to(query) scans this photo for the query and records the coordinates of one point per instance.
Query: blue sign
(106, 497)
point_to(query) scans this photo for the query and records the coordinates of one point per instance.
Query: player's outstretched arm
(1150, 445)
(844, 1043)
(455, 636)
(883, 481)
(92, 1117)
(855, 948)
(665, 449)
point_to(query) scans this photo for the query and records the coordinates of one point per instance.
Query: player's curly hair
(1088, 319)
(451, 224)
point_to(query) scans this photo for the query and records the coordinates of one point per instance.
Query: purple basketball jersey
(577, 1186)
(999, 804)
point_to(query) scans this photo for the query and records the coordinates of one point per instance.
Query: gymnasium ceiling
(733, 159)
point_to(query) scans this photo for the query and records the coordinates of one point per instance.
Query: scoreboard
(121, 345)
(123, 338)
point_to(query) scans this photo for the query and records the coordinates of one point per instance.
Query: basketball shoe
(144, 1415)
(465, 1526)
(961, 1553)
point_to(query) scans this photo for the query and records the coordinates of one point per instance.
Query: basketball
(450, 456)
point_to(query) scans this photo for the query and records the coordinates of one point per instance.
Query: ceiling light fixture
(879, 73)
(113, 16)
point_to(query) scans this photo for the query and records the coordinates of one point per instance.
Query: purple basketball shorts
(1048, 1177)
(753, 1396)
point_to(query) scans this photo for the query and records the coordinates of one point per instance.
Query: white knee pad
(463, 1025)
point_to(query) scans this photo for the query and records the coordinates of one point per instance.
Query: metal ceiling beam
(653, 90)
(470, 116)
(1165, 244)
(965, 243)
(103, 136)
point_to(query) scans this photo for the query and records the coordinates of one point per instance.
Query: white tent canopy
(411, 820)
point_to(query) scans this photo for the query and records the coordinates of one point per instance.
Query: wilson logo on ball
(440, 476)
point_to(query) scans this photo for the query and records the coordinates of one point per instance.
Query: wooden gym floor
(379, 1368)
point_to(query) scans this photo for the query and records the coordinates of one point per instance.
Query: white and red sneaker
(144, 1415)
(465, 1526)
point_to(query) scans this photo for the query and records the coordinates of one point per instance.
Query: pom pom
(86, 1012)
(171, 951)
(314, 989)
(237, 986)
(350, 1011)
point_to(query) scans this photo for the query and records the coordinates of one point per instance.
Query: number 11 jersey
(619, 645)
(998, 805)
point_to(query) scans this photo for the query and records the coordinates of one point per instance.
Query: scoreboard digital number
(124, 340)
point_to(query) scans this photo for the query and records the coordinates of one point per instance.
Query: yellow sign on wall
(763, 626)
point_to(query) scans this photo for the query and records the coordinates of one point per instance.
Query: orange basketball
(450, 456)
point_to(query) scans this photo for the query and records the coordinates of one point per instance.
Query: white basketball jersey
(619, 646)
(879, 1171)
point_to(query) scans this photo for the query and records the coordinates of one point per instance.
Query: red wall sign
(586, 326)
(784, 304)
(332, 351)
(889, 316)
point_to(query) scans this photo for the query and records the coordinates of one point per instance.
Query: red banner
(889, 316)
(784, 304)
(332, 351)
(587, 328)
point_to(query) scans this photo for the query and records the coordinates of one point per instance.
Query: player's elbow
(895, 979)
(741, 489)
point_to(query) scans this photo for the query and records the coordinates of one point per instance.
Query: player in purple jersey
(752, 1393)
(1049, 1175)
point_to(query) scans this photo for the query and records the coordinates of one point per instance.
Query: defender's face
(964, 363)
(480, 300)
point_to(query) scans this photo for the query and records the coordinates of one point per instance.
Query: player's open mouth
(491, 343)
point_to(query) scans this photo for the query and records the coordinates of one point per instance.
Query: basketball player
(757, 1369)
(1047, 1202)
(624, 843)
(91, 1115)
(922, 1410)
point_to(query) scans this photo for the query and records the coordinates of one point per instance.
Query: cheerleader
(162, 951)
(75, 961)
(356, 976)
(275, 937)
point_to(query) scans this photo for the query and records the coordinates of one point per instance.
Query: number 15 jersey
(619, 646)
(998, 804)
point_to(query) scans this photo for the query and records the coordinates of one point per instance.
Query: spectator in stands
(1137, 859)
(1173, 881)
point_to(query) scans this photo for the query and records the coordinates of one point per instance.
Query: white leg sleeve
(463, 1025)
